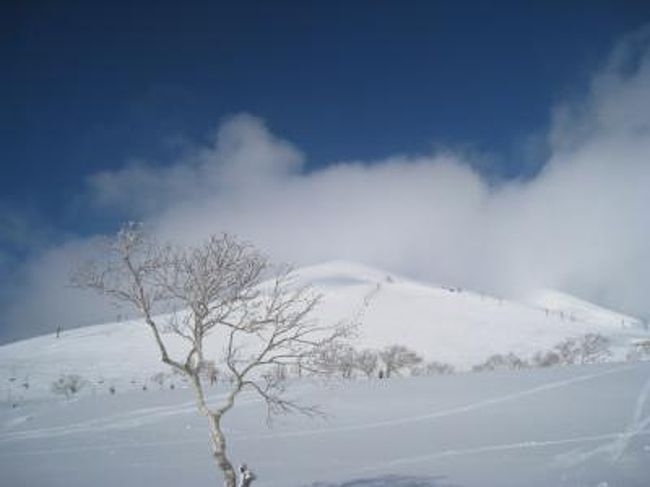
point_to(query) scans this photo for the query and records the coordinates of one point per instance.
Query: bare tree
(397, 358)
(221, 290)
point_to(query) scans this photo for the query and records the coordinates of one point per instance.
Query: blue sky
(91, 84)
(90, 87)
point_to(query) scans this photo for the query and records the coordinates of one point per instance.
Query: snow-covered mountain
(441, 323)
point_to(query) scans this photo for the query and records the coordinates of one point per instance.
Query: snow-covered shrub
(328, 360)
(338, 359)
(438, 368)
(366, 361)
(397, 358)
(639, 351)
(499, 361)
(594, 348)
(545, 359)
(68, 385)
(568, 351)
(346, 361)
(588, 349)
(515, 362)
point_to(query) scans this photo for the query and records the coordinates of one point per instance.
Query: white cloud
(44, 299)
(243, 157)
(579, 225)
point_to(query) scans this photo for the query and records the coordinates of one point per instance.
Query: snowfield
(558, 426)
(564, 426)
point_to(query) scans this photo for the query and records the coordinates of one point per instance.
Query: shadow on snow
(390, 481)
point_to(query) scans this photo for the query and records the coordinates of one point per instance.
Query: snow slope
(453, 325)
(441, 323)
(572, 308)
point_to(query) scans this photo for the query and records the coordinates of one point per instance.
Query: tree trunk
(217, 437)
(219, 451)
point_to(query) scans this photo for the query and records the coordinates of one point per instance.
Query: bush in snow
(594, 348)
(499, 361)
(329, 359)
(345, 360)
(588, 349)
(397, 358)
(433, 368)
(68, 385)
(338, 359)
(568, 351)
(639, 351)
(367, 362)
(545, 359)
(438, 368)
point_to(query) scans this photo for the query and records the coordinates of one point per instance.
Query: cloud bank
(579, 225)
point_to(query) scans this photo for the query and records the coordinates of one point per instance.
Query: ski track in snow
(121, 421)
(108, 447)
(447, 412)
(638, 423)
(496, 448)
(616, 448)
(143, 416)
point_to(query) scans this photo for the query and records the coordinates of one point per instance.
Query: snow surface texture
(441, 323)
(564, 426)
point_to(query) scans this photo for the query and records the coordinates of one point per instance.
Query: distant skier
(58, 331)
(246, 476)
